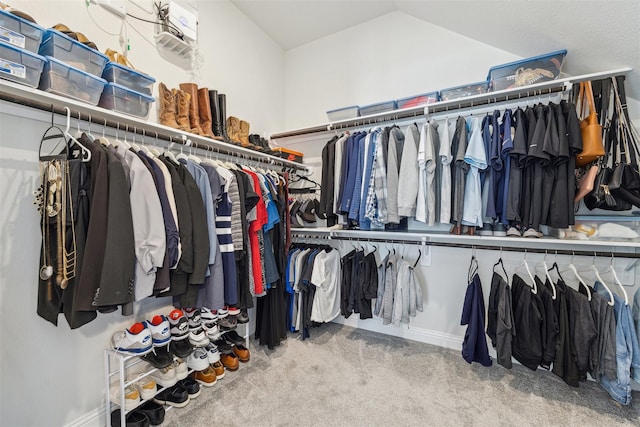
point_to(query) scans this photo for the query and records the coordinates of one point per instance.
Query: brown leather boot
(244, 133)
(204, 108)
(167, 107)
(233, 129)
(194, 115)
(182, 106)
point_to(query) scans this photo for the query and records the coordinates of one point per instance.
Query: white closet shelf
(489, 98)
(35, 98)
(627, 249)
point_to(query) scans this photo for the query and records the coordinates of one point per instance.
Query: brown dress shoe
(207, 377)
(230, 361)
(219, 369)
(242, 352)
(194, 114)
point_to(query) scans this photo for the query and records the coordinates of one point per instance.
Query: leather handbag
(592, 147)
(586, 183)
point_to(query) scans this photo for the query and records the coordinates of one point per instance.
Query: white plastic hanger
(601, 280)
(617, 281)
(191, 155)
(525, 264)
(543, 265)
(581, 281)
(135, 146)
(86, 153)
(168, 153)
(102, 139)
(154, 150)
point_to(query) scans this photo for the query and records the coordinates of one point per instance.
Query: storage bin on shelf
(418, 100)
(63, 79)
(463, 91)
(608, 228)
(20, 65)
(129, 78)
(123, 100)
(380, 107)
(527, 71)
(19, 32)
(72, 52)
(344, 113)
(285, 153)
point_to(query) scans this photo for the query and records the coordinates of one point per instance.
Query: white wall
(53, 376)
(389, 57)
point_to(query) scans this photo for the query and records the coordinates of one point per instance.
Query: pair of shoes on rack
(148, 414)
(493, 229)
(178, 395)
(135, 340)
(187, 108)
(197, 335)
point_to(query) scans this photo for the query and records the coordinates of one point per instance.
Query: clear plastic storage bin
(20, 65)
(380, 107)
(62, 79)
(72, 52)
(127, 101)
(527, 71)
(344, 113)
(19, 32)
(418, 100)
(463, 91)
(129, 78)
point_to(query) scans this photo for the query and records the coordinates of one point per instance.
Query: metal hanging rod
(34, 98)
(490, 98)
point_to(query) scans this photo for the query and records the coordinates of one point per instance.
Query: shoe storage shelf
(99, 118)
(117, 364)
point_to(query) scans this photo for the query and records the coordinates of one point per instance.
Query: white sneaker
(160, 332)
(213, 331)
(208, 316)
(179, 325)
(136, 340)
(198, 337)
(180, 367)
(198, 360)
(193, 317)
(131, 396)
(166, 377)
(212, 353)
(146, 386)
(223, 312)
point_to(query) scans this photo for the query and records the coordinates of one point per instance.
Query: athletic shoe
(180, 366)
(243, 317)
(159, 357)
(223, 312)
(486, 230)
(182, 348)
(208, 316)
(133, 419)
(499, 230)
(199, 360)
(165, 377)
(218, 367)
(179, 325)
(513, 232)
(213, 331)
(192, 387)
(228, 323)
(233, 311)
(193, 317)
(233, 337)
(223, 346)
(159, 327)
(153, 411)
(531, 232)
(131, 397)
(173, 396)
(198, 337)
(146, 386)
(212, 353)
(135, 340)
(206, 377)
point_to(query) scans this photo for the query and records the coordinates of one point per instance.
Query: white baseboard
(95, 418)
(427, 336)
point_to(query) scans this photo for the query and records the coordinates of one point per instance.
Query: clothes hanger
(168, 153)
(617, 281)
(144, 147)
(504, 270)
(86, 153)
(135, 146)
(103, 139)
(545, 268)
(181, 155)
(418, 259)
(581, 281)
(154, 150)
(525, 264)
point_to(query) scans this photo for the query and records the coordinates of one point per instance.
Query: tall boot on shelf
(167, 107)
(243, 135)
(233, 129)
(182, 100)
(204, 110)
(215, 113)
(222, 116)
(194, 115)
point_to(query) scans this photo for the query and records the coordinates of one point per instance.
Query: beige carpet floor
(348, 377)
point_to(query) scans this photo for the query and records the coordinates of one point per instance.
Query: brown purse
(592, 147)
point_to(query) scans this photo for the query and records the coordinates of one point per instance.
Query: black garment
(575, 147)
(560, 205)
(550, 330)
(602, 355)
(347, 267)
(459, 169)
(583, 329)
(528, 322)
(327, 190)
(518, 155)
(368, 285)
(564, 364)
(500, 324)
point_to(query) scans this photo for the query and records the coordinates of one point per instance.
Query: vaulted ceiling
(599, 35)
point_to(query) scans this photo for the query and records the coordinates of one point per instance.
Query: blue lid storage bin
(380, 107)
(418, 100)
(127, 101)
(344, 113)
(527, 71)
(129, 78)
(463, 91)
(20, 65)
(19, 32)
(72, 52)
(62, 79)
